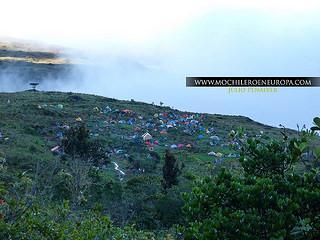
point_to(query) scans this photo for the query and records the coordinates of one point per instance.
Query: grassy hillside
(79, 166)
(33, 125)
(39, 119)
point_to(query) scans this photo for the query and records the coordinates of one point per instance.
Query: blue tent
(200, 136)
(59, 135)
(202, 128)
(131, 121)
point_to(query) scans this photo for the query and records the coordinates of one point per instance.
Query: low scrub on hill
(75, 166)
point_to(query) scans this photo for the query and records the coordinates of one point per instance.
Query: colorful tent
(173, 146)
(219, 155)
(215, 138)
(200, 136)
(127, 111)
(146, 136)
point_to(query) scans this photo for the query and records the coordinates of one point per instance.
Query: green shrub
(268, 201)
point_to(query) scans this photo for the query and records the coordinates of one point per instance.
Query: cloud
(80, 22)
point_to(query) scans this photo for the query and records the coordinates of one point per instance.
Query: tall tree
(170, 170)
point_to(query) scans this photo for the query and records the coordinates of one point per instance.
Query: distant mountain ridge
(24, 62)
(31, 52)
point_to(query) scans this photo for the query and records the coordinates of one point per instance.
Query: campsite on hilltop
(70, 159)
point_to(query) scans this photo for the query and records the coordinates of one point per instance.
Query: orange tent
(127, 111)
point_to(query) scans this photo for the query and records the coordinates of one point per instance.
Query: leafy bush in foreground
(268, 201)
(60, 222)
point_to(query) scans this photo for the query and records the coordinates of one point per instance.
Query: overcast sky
(144, 49)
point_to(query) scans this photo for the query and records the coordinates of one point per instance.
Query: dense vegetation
(74, 166)
(268, 200)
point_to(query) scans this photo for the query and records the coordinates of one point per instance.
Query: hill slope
(33, 124)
